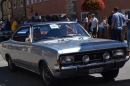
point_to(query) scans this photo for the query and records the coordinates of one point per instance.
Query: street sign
(36, 15)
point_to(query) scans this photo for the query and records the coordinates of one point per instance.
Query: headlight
(86, 59)
(118, 53)
(66, 59)
(106, 56)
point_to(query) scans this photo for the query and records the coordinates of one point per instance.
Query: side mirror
(27, 40)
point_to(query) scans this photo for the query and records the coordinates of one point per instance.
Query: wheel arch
(45, 63)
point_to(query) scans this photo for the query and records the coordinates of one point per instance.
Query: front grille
(95, 56)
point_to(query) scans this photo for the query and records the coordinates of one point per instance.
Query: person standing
(7, 25)
(117, 23)
(101, 26)
(94, 26)
(124, 29)
(89, 25)
(85, 22)
(110, 24)
(3, 25)
(14, 24)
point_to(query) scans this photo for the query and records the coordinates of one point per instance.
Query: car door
(22, 48)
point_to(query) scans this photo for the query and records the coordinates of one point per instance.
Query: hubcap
(46, 74)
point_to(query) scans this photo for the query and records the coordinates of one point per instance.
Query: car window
(57, 30)
(21, 34)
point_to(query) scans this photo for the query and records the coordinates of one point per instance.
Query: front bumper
(78, 70)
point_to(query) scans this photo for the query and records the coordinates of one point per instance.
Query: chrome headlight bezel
(86, 59)
(67, 59)
(118, 52)
(106, 56)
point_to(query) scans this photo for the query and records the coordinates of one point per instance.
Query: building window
(21, 3)
(14, 3)
(30, 2)
(37, 1)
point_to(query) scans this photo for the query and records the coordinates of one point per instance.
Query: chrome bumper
(78, 70)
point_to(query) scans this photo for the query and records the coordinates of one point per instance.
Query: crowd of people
(14, 23)
(117, 22)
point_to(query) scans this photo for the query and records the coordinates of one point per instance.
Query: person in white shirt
(3, 25)
(94, 26)
(85, 22)
(124, 29)
(101, 26)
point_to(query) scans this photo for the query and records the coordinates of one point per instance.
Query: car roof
(43, 23)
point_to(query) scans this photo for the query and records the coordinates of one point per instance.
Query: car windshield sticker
(54, 26)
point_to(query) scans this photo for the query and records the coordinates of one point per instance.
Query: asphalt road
(25, 78)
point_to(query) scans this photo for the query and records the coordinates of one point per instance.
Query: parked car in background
(59, 50)
(5, 35)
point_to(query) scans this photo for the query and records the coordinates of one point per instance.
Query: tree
(89, 5)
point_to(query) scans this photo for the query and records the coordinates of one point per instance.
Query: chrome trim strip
(28, 69)
(69, 67)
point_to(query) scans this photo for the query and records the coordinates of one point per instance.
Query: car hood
(77, 44)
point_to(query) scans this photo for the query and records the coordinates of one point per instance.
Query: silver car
(59, 50)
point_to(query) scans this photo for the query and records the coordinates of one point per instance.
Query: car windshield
(57, 30)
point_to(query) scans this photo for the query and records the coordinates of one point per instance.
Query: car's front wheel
(47, 77)
(11, 65)
(109, 75)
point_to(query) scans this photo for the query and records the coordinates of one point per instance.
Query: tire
(11, 65)
(47, 77)
(109, 75)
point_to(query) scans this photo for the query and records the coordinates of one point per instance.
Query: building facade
(6, 7)
(19, 8)
(12, 8)
(45, 7)
(70, 7)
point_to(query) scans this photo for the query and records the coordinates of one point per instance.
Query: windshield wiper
(47, 37)
(64, 36)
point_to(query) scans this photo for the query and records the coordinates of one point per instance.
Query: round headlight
(86, 58)
(106, 56)
(67, 59)
(118, 53)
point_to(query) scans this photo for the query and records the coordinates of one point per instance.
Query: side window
(21, 34)
(40, 31)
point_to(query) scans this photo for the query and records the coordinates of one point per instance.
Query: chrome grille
(94, 56)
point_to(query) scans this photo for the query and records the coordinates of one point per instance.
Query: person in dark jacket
(7, 25)
(110, 23)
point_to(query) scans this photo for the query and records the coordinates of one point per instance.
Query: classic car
(59, 50)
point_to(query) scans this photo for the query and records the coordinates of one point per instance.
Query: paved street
(26, 78)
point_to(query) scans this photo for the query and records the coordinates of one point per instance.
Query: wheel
(11, 65)
(109, 75)
(47, 77)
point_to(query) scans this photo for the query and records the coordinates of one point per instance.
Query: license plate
(96, 70)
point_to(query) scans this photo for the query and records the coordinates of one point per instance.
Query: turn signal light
(127, 53)
(58, 62)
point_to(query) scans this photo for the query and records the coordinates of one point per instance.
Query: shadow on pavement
(26, 78)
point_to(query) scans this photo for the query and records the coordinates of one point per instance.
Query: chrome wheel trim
(46, 74)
